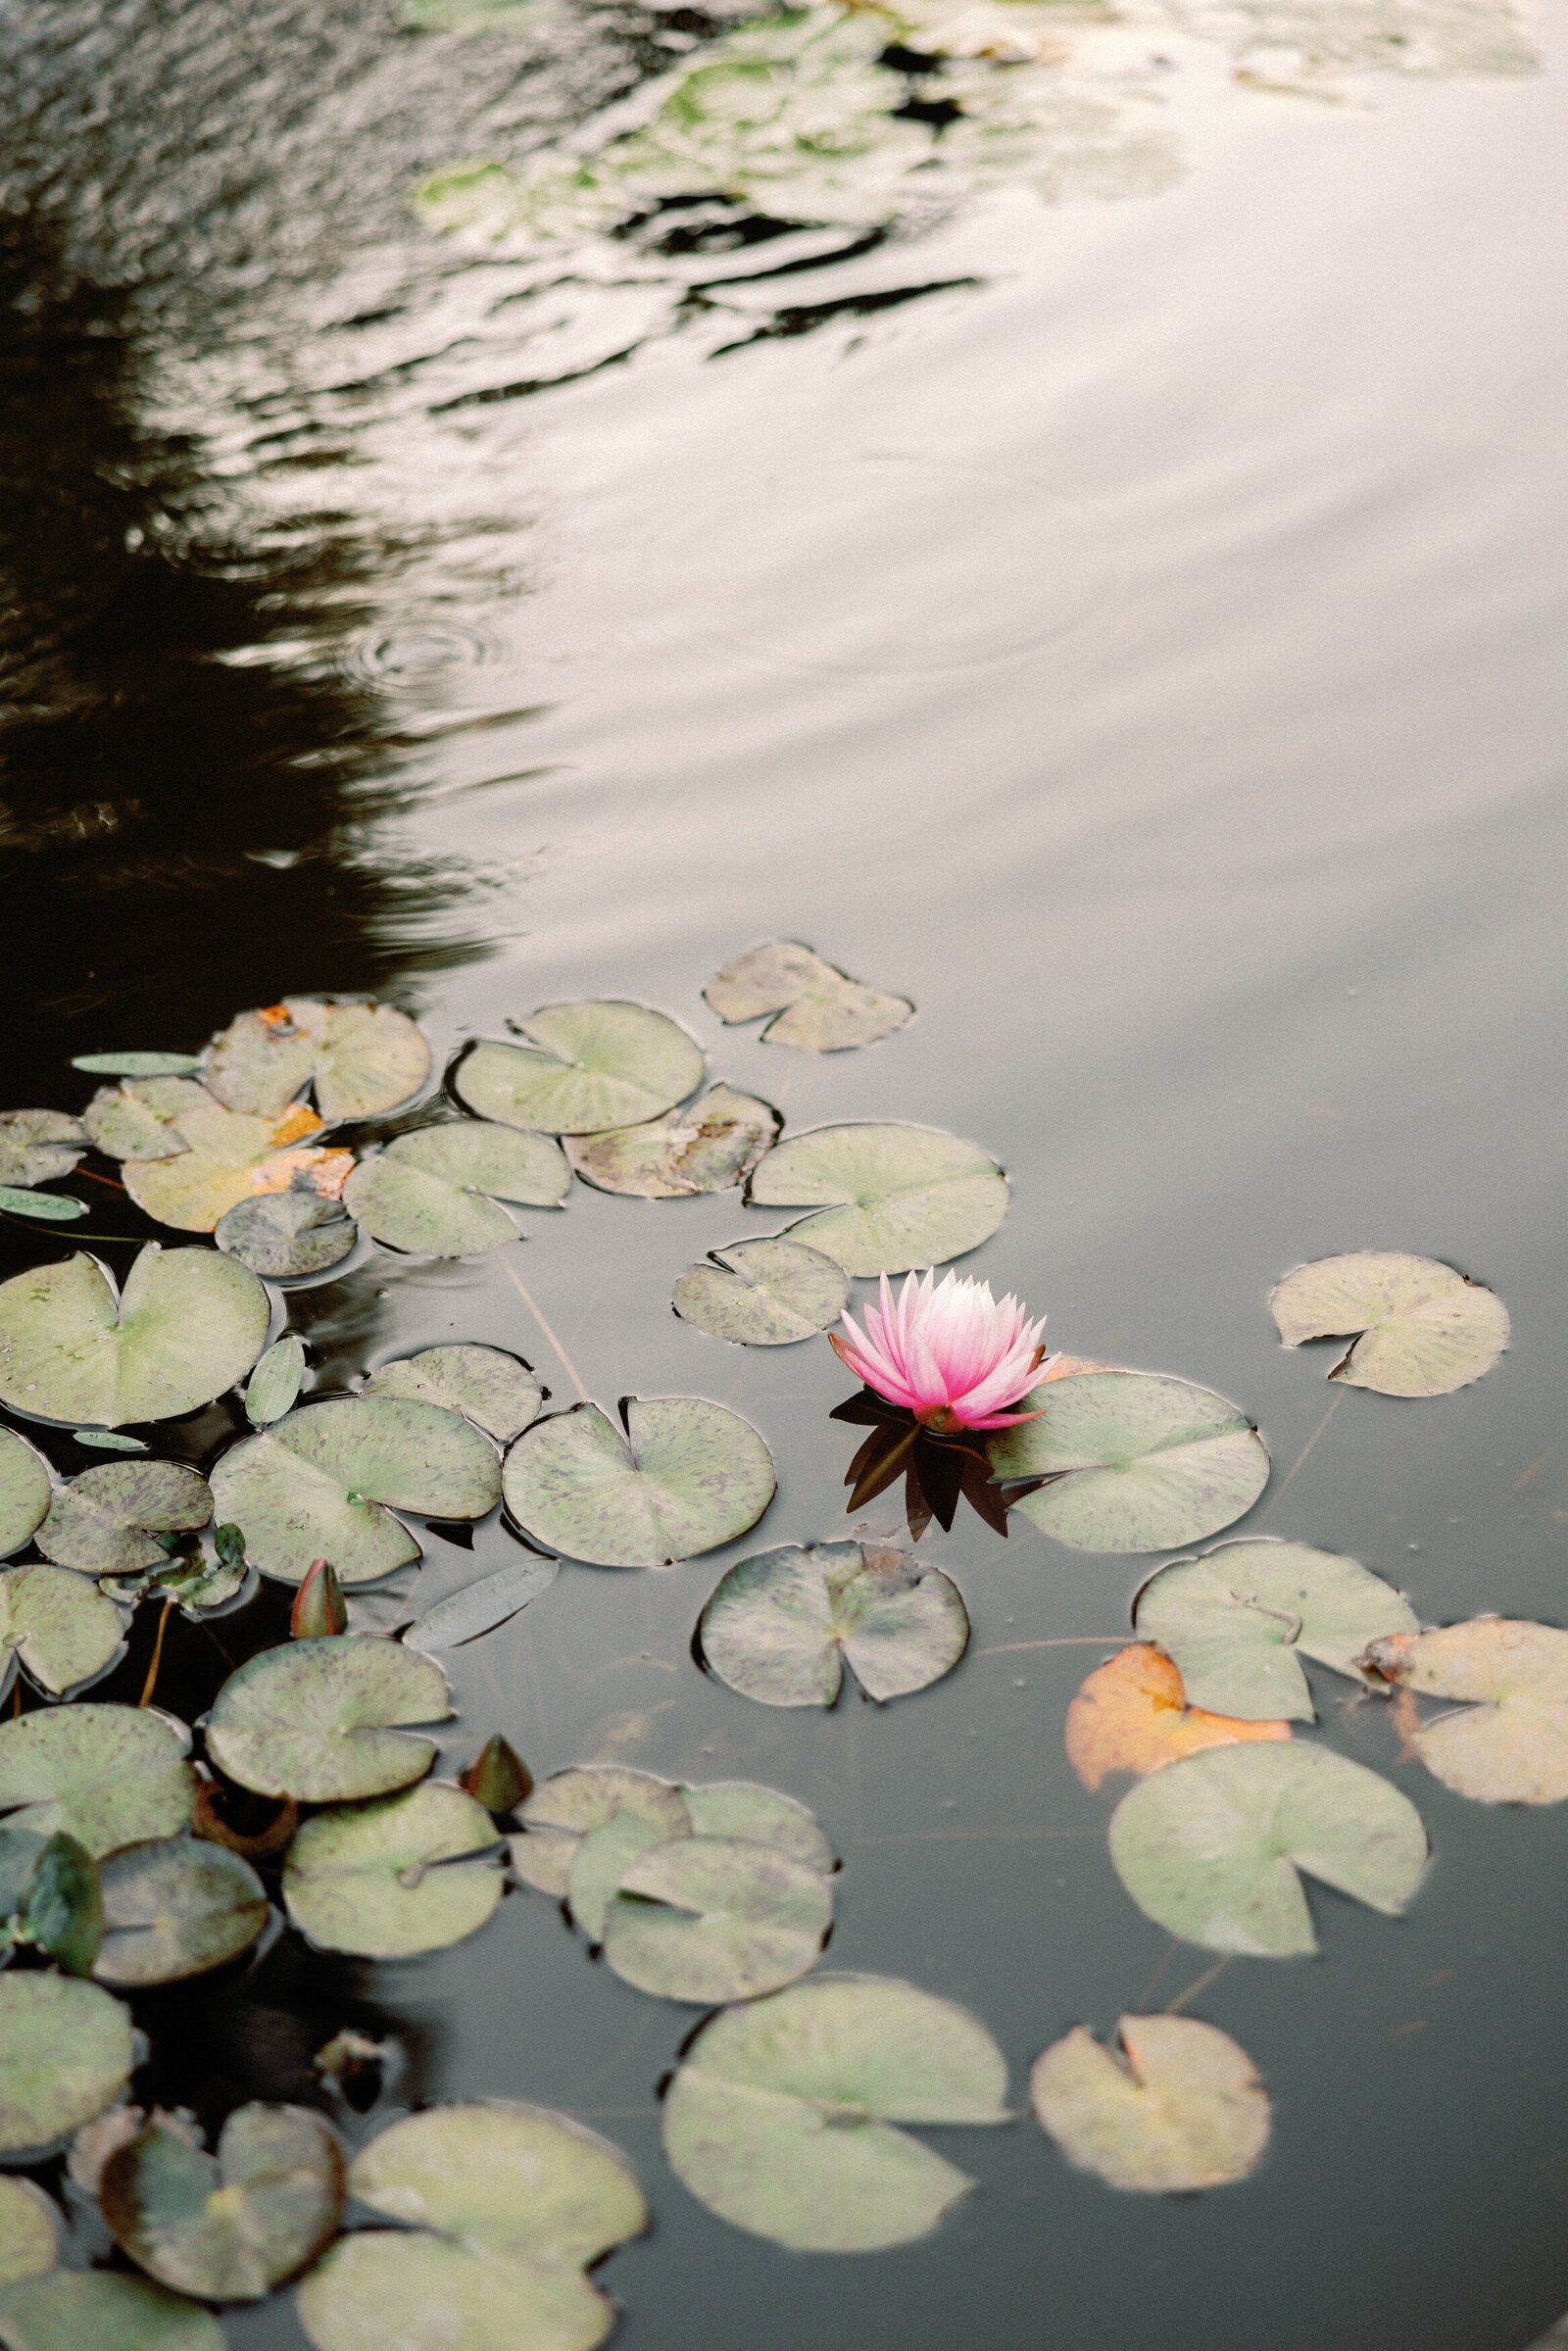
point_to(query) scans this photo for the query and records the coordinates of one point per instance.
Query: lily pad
(274, 1384)
(175, 1908)
(1509, 1743)
(437, 1191)
(573, 1804)
(65, 2052)
(323, 1483)
(361, 1058)
(231, 1157)
(781, 2117)
(1424, 1329)
(1131, 1715)
(284, 1235)
(187, 1325)
(762, 1815)
(408, 1873)
(138, 1121)
(1182, 2109)
(780, 1626)
(687, 1476)
(708, 1147)
(886, 1197)
(62, 1631)
(109, 1441)
(715, 1918)
(38, 1146)
(1210, 1848)
(230, 2225)
(316, 1719)
(26, 1492)
(105, 1522)
(1239, 1621)
(30, 2232)
(585, 1067)
(136, 1064)
(50, 1898)
(53, 1207)
(763, 1292)
(497, 1392)
(479, 1607)
(1137, 1461)
(599, 1862)
(815, 1005)
(69, 2308)
(108, 1776)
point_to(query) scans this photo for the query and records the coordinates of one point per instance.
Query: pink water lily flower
(949, 1353)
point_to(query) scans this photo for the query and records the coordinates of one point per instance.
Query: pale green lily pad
(361, 1058)
(65, 2052)
(316, 1719)
(53, 1207)
(780, 2118)
(886, 1197)
(283, 1236)
(687, 1476)
(377, 2288)
(1508, 1741)
(104, 1522)
(1210, 1846)
(763, 1292)
(1182, 2109)
(175, 1908)
(38, 1146)
(1424, 1329)
(816, 1007)
(497, 1392)
(70, 2308)
(780, 1626)
(274, 1384)
(586, 1066)
(324, 1482)
(108, 1776)
(708, 1146)
(717, 1918)
(599, 1862)
(138, 1121)
(26, 1492)
(1239, 1621)
(64, 1630)
(739, 1808)
(1138, 1461)
(136, 1064)
(29, 2230)
(437, 1191)
(232, 2225)
(388, 1879)
(187, 1325)
(109, 1441)
(480, 1607)
(570, 1805)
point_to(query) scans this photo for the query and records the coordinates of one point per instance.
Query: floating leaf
(816, 1007)
(138, 1122)
(763, 1292)
(55, 1208)
(286, 1235)
(108, 1776)
(687, 1476)
(497, 1392)
(436, 1191)
(63, 1632)
(1183, 2110)
(314, 1720)
(1424, 1329)
(1210, 1848)
(599, 1862)
(66, 2053)
(780, 2117)
(1239, 1621)
(108, 1441)
(1137, 1461)
(323, 1483)
(887, 1197)
(274, 1384)
(1131, 1715)
(570, 1805)
(586, 1066)
(715, 1918)
(361, 1058)
(391, 1878)
(233, 1158)
(738, 1808)
(230, 2225)
(30, 2232)
(175, 1908)
(779, 1627)
(24, 1491)
(37, 1146)
(135, 1064)
(708, 1147)
(70, 2308)
(479, 1607)
(187, 1325)
(105, 1522)
(1510, 1743)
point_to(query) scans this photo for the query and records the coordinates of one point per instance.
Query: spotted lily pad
(1424, 1329)
(478, 1608)
(108, 1776)
(886, 1198)
(284, 1235)
(70, 2308)
(138, 1121)
(24, 1491)
(708, 1147)
(175, 1908)
(1135, 1461)
(107, 1521)
(585, 1067)
(715, 1918)
(361, 1058)
(1507, 1742)
(274, 1384)
(782, 2116)
(1181, 2108)
(66, 2053)
(30, 2232)
(38, 1146)
(497, 1392)
(814, 1006)
(571, 1805)
(437, 1191)
(187, 1325)
(408, 1873)
(64, 1632)
(1131, 1715)
(1210, 1847)
(231, 1156)
(687, 1476)
(780, 1626)
(230, 2225)
(763, 1292)
(319, 1720)
(323, 1483)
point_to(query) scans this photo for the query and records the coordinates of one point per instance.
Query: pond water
(1107, 590)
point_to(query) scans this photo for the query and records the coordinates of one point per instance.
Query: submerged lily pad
(274, 1384)
(715, 1918)
(63, 1632)
(26, 1492)
(1182, 2109)
(138, 1121)
(586, 1066)
(361, 1058)
(108, 1776)
(285, 1234)
(230, 2225)
(763, 1292)
(316, 1719)
(37, 1146)
(175, 1908)
(708, 1146)
(437, 1189)
(70, 2308)
(231, 1156)
(323, 1483)
(570, 1805)
(410, 1873)
(30, 2232)
(497, 1392)
(1509, 1743)
(780, 1626)
(1131, 1715)
(886, 1197)
(53, 1207)
(479, 1607)
(815, 1005)
(1424, 1329)
(1137, 1461)
(105, 1523)
(187, 1325)
(781, 2116)
(687, 1476)
(1210, 1847)
(65, 2052)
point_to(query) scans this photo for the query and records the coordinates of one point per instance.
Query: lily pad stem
(151, 1682)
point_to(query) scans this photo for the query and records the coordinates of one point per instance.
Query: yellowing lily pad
(321, 1720)
(1131, 1715)
(815, 1007)
(410, 1873)
(781, 1626)
(187, 1325)
(585, 1067)
(686, 1476)
(1180, 2108)
(763, 1292)
(29, 2230)
(710, 1145)
(886, 1198)
(1425, 1329)
(363, 1059)
(104, 1522)
(1509, 1743)
(230, 1156)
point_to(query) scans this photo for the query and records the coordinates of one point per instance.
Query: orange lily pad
(1131, 1715)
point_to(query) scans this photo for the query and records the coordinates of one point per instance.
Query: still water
(1129, 626)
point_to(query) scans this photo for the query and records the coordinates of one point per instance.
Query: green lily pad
(72, 2306)
(361, 1058)
(687, 1476)
(424, 2293)
(65, 2052)
(497, 1392)
(1182, 2109)
(586, 1066)
(780, 1626)
(1137, 1461)
(54, 1207)
(136, 1064)
(139, 1120)
(437, 1191)
(38, 1146)
(26, 1492)
(1210, 1846)
(708, 1147)
(816, 1007)
(479, 1607)
(108, 1441)
(781, 2117)
(108, 1776)
(285, 1234)
(571, 1805)
(1239, 1621)
(762, 1815)
(1507, 1743)
(175, 1908)
(324, 1482)
(104, 1522)
(391, 1878)
(274, 1384)
(1424, 1329)
(763, 1292)
(230, 2225)
(599, 1862)
(50, 1898)
(886, 1197)
(187, 1325)
(316, 1719)
(231, 1157)
(715, 1918)
(62, 1631)
(30, 2232)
